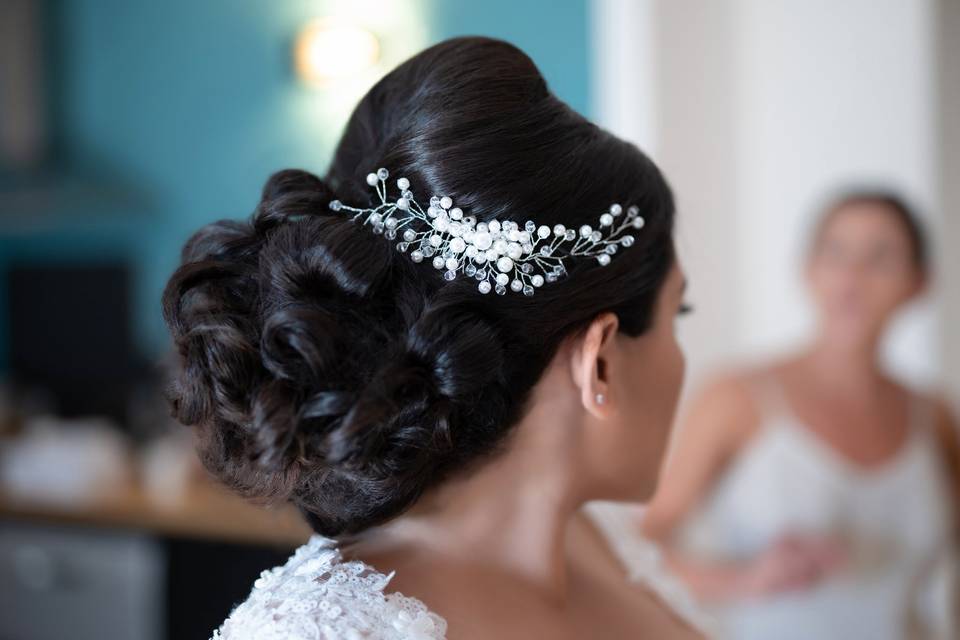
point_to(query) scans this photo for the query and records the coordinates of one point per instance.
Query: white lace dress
(316, 595)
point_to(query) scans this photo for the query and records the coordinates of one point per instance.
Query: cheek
(653, 400)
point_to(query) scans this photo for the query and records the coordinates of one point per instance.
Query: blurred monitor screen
(69, 335)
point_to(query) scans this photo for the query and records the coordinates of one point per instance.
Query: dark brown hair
(321, 366)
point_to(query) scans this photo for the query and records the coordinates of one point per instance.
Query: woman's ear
(592, 363)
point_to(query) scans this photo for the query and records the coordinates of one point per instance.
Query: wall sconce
(330, 49)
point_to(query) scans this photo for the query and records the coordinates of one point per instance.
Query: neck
(511, 514)
(844, 366)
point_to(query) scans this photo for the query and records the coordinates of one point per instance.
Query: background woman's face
(861, 272)
(648, 391)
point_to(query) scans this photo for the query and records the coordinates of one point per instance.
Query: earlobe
(591, 366)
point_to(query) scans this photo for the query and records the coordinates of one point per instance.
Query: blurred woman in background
(814, 497)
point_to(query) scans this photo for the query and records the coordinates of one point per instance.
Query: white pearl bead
(492, 255)
(372, 179)
(403, 184)
(500, 246)
(585, 230)
(606, 220)
(604, 259)
(638, 223)
(416, 255)
(409, 235)
(446, 202)
(482, 240)
(543, 231)
(451, 264)
(403, 204)
(504, 264)
(435, 240)
(559, 230)
(438, 262)
(516, 285)
(503, 279)
(456, 213)
(514, 251)
(458, 245)
(471, 251)
(537, 280)
(441, 224)
(494, 225)
(616, 209)
(484, 286)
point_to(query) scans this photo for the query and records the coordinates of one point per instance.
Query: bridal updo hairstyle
(321, 366)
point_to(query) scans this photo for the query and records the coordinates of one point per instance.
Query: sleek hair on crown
(320, 365)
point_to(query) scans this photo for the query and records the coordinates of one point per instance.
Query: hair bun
(289, 193)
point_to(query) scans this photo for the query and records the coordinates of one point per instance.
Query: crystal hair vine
(498, 254)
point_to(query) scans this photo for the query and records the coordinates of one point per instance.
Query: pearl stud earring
(600, 399)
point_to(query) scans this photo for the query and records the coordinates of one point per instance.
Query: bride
(440, 361)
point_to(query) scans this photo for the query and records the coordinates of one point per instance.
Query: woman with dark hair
(439, 352)
(815, 497)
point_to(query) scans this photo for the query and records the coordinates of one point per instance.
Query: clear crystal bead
(428, 251)
(501, 289)
(390, 234)
(402, 246)
(570, 234)
(530, 226)
(470, 269)
(526, 267)
(527, 290)
(449, 274)
(611, 249)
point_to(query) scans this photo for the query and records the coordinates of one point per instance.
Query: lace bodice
(316, 595)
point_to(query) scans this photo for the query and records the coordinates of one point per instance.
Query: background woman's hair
(885, 201)
(321, 366)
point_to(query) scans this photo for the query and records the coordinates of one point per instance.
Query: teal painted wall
(191, 105)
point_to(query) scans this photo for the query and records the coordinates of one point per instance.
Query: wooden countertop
(204, 510)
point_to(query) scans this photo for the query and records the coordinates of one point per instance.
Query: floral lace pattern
(318, 596)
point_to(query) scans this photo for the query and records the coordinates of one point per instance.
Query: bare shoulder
(730, 401)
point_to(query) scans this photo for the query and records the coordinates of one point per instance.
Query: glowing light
(329, 49)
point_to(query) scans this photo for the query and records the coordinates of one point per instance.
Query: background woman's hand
(792, 563)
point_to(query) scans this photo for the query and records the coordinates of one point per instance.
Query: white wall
(948, 19)
(759, 108)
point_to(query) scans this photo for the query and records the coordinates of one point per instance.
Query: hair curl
(322, 367)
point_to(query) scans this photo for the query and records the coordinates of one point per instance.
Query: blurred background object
(124, 125)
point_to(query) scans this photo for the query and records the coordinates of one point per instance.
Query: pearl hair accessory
(498, 254)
